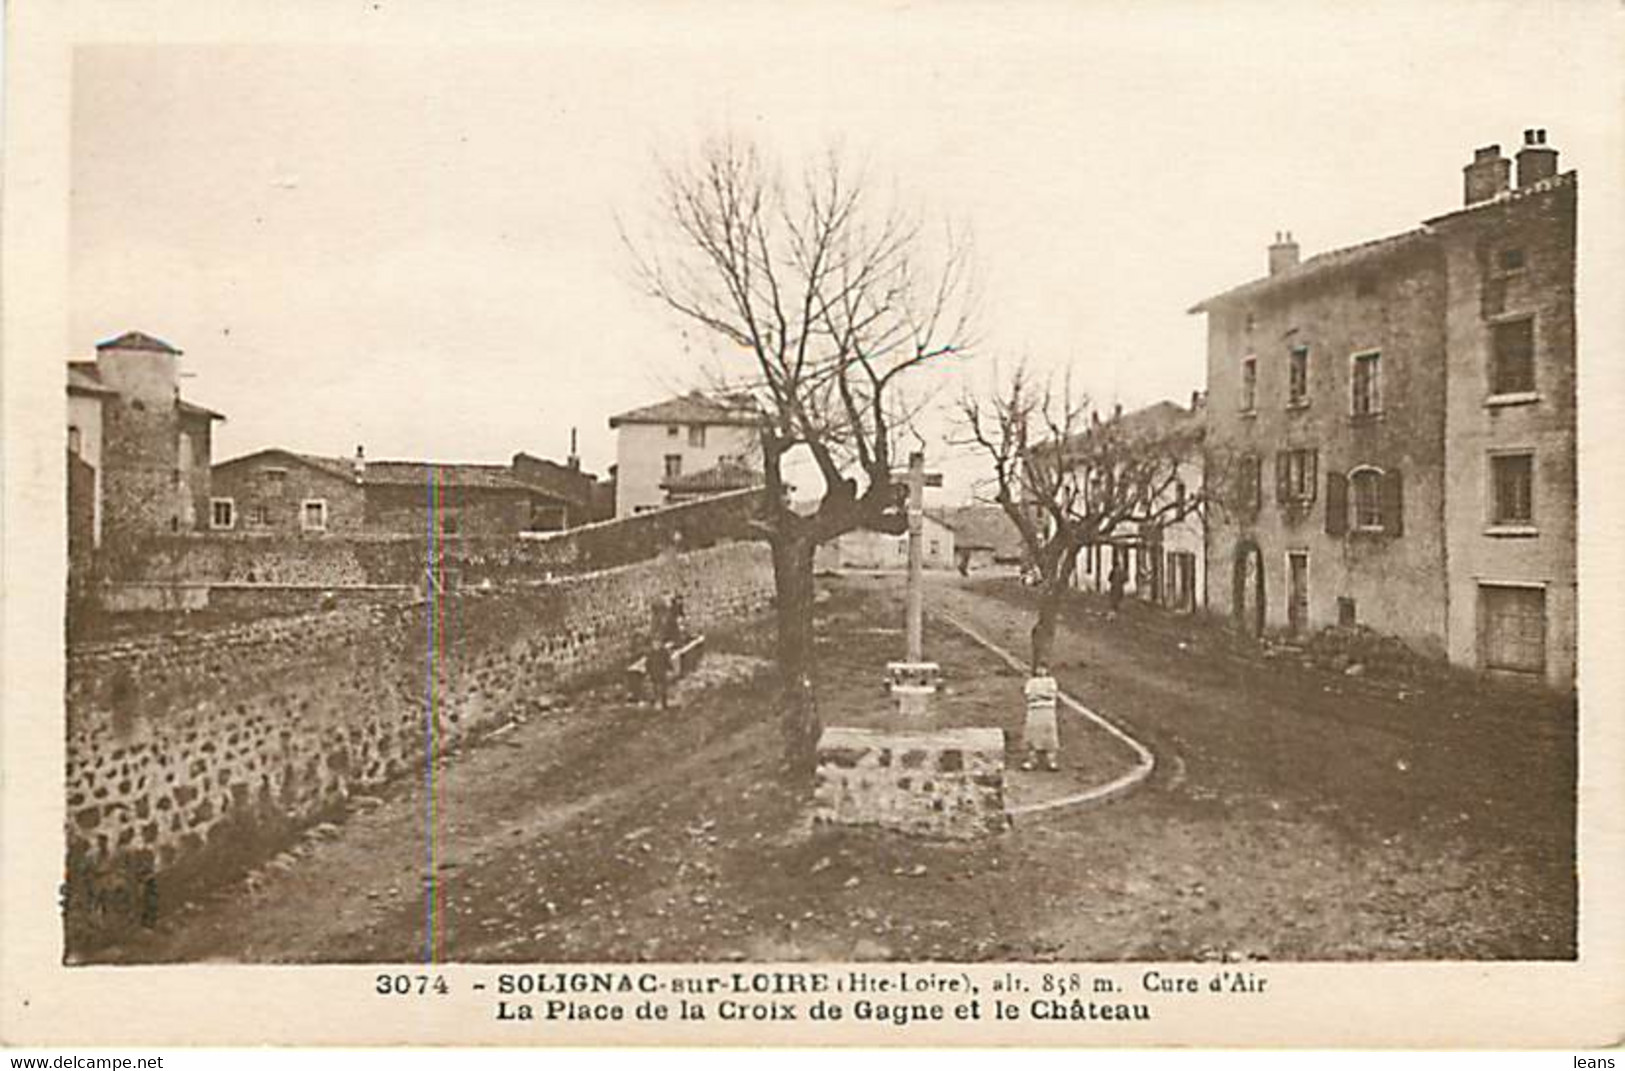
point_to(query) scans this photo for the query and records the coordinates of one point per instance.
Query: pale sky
(415, 248)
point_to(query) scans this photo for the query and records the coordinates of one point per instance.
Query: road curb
(1146, 760)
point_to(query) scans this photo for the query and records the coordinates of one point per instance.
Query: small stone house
(280, 492)
(863, 549)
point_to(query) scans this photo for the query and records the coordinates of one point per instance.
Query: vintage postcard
(1068, 523)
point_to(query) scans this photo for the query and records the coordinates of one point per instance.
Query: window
(1249, 484)
(1249, 384)
(313, 515)
(1365, 493)
(274, 481)
(1296, 476)
(1366, 500)
(936, 548)
(75, 440)
(1346, 616)
(1510, 259)
(1365, 398)
(696, 435)
(674, 466)
(448, 524)
(259, 516)
(222, 513)
(1512, 489)
(1297, 384)
(1513, 367)
(672, 431)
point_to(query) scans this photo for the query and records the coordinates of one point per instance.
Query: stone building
(863, 549)
(1163, 564)
(139, 454)
(658, 444)
(275, 491)
(1394, 422)
(984, 537)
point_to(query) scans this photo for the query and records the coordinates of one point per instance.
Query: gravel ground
(1294, 814)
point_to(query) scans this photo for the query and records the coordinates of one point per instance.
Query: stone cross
(917, 480)
(915, 679)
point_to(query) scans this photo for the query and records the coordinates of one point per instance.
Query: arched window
(1365, 500)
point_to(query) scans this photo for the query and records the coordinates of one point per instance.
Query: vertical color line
(428, 727)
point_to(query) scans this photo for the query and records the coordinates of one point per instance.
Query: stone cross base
(931, 783)
(924, 675)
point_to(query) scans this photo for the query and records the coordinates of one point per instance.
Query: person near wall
(657, 668)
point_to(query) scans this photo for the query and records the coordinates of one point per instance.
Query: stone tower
(143, 479)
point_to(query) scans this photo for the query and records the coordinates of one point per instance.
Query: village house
(276, 491)
(984, 537)
(1398, 421)
(1165, 563)
(865, 549)
(138, 454)
(683, 448)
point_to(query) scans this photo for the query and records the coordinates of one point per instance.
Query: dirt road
(1294, 814)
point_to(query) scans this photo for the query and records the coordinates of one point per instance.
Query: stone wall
(339, 560)
(191, 754)
(936, 783)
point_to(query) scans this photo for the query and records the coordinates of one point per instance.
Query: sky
(414, 245)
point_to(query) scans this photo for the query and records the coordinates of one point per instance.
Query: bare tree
(1069, 480)
(834, 299)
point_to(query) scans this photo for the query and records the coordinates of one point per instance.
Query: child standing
(1042, 733)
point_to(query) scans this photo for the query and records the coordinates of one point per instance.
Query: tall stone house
(281, 492)
(138, 453)
(682, 448)
(1395, 425)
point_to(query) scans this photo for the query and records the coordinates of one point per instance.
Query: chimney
(1487, 176)
(1196, 400)
(359, 465)
(1117, 411)
(1283, 252)
(574, 461)
(1536, 160)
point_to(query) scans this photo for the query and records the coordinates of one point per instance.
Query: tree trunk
(1049, 611)
(793, 584)
(1051, 594)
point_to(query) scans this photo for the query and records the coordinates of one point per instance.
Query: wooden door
(1513, 628)
(1297, 597)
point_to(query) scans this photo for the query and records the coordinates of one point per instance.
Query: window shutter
(1393, 503)
(1337, 504)
(1283, 476)
(1311, 478)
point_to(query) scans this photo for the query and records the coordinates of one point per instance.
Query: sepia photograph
(583, 490)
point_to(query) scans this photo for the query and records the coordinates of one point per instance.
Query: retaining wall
(194, 752)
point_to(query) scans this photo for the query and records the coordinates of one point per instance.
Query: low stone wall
(194, 752)
(936, 783)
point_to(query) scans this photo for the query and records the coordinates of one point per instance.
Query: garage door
(1514, 624)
